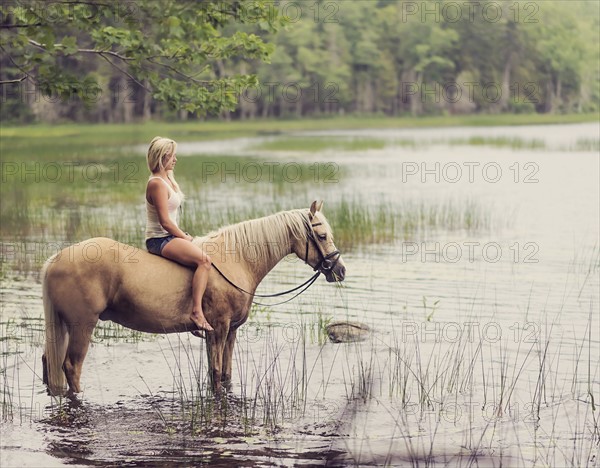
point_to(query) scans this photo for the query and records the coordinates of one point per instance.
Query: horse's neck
(259, 269)
(257, 266)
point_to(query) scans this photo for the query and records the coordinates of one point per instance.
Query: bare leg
(186, 253)
(198, 287)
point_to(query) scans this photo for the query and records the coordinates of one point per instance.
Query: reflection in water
(158, 430)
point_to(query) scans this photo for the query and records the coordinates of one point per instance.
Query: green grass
(500, 142)
(45, 231)
(357, 224)
(49, 142)
(586, 144)
(320, 144)
(314, 144)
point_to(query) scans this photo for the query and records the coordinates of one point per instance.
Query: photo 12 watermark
(53, 12)
(269, 172)
(468, 332)
(256, 11)
(453, 172)
(128, 91)
(93, 252)
(472, 411)
(469, 11)
(54, 172)
(469, 251)
(453, 92)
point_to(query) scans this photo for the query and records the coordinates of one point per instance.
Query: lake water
(484, 346)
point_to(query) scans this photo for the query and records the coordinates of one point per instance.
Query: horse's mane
(267, 236)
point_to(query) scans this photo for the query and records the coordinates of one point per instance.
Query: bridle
(325, 265)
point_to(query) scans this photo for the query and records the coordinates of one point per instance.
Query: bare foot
(203, 326)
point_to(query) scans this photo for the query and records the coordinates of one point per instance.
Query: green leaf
(69, 45)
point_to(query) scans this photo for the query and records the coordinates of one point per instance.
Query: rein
(325, 264)
(307, 283)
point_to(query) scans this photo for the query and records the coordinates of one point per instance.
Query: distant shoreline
(141, 132)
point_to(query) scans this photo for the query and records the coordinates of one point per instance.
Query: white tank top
(153, 226)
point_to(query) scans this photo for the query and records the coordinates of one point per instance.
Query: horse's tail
(57, 338)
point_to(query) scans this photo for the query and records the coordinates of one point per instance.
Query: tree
(561, 56)
(422, 52)
(309, 70)
(170, 48)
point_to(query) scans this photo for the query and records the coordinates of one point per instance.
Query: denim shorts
(156, 244)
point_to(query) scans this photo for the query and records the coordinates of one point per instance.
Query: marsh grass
(357, 224)
(324, 144)
(500, 142)
(18, 338)
(338, 144)
(273, 377)
(109, 333)
(330, 143)
(490, 389)
(354, 224)
(273, 374)
(8, 362)
(21, 341)
(27, 333)
(586, 144)
(314, 144)
(63, 168)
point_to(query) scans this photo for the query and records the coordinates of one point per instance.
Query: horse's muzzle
(337, 274)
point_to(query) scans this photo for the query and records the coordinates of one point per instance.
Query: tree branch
(85, 51)
(75, 2)
(177, 72)
(21, 69)
(23, 78)
(125, 72)
(12, 26)
(36, 44)
(104, 52)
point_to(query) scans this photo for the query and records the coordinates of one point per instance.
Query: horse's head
(318, 250)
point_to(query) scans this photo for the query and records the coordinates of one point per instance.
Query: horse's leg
(228, 357)
(215, 345)
(44, 369)
(80, 336)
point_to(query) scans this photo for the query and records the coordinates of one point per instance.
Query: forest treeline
(364, 57)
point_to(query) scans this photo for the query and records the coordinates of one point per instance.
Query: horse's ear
(313, 209)
(320, 207)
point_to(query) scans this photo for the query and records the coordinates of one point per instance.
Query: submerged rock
(347, 332)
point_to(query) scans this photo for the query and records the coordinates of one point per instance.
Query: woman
(163, 235)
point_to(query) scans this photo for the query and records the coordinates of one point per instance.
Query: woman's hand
(188, 237)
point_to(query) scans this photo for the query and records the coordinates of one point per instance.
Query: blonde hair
(160, 149)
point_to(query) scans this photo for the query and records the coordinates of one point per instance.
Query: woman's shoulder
(158, 181)
(156, 184)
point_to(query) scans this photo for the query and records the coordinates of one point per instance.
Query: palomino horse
(104, 279)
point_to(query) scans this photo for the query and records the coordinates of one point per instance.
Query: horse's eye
(322, 236)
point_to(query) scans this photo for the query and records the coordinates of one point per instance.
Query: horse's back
(106, 279)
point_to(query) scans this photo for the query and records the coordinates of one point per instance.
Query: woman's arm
(158, 195)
